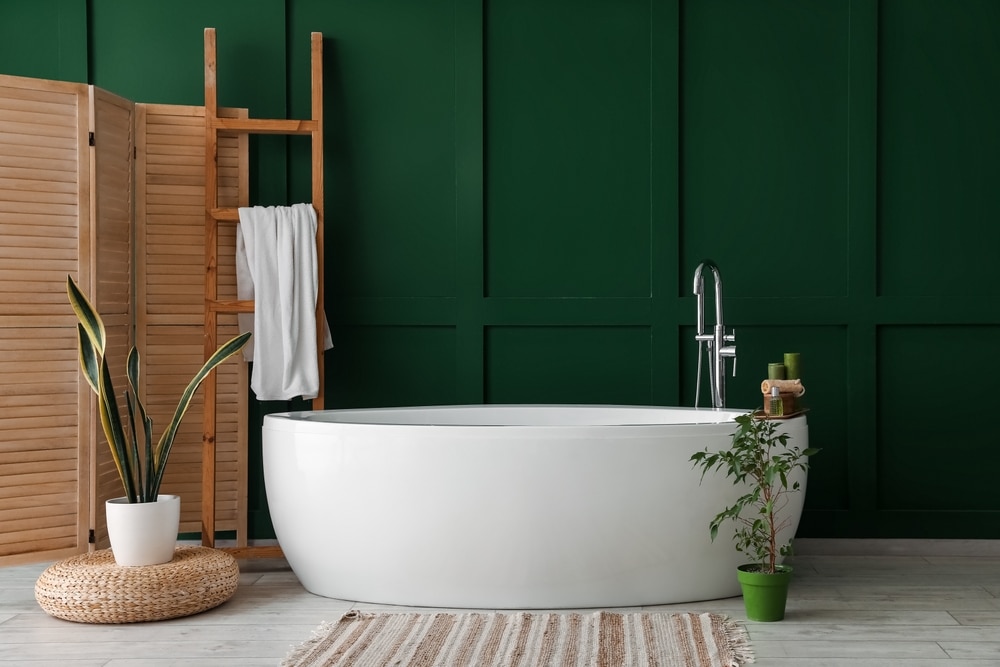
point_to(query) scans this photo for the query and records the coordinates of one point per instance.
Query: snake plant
(141, 472)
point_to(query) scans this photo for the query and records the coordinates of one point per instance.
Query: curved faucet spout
(699, 290)
(717, 339)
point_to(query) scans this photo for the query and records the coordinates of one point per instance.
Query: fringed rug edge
(299, 651)
(739, 640)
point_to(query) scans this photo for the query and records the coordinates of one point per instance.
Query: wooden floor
(905, 605)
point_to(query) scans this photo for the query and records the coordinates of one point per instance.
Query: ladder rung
(265, 126)
(229, 306)
(240, 553)
(230, 214)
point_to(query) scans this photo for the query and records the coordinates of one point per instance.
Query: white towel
(276, 267)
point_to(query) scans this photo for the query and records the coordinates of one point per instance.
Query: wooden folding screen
(68, 153)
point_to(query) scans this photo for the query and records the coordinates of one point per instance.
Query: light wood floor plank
(845, 610)
(837, 648)
(989, 650)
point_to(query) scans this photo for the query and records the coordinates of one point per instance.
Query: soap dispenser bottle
(776, 408)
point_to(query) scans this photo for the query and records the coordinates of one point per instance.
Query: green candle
(776, 371)
(792, 366)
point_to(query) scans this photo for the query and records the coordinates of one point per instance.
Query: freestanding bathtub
(503, 506)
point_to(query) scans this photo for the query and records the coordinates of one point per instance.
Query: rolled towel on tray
(793, 387)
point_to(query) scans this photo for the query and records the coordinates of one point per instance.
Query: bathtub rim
(307, 421)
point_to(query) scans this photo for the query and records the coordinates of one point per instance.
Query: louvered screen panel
(111, 251)
(39, 472)
(170, 214)
(44, 212)
(113, 148)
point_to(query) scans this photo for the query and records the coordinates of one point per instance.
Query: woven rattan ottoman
(92, 588)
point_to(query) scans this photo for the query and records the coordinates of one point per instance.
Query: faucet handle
(731, 338)
(730, 350)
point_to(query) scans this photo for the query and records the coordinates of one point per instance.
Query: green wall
(518, 192)
(44, 39)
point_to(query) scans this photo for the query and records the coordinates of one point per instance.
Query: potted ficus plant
(142, 524)
(761, 459)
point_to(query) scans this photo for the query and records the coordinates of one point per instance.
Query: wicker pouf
(92, 588)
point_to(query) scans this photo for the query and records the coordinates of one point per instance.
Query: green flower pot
(764, 595)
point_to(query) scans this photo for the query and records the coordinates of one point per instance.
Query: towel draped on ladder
(276, 267)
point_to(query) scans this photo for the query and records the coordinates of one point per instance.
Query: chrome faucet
(716, 341)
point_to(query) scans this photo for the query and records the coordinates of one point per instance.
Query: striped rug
(601, 639)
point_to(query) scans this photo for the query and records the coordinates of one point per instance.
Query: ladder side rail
(209, 426)
(318, 204)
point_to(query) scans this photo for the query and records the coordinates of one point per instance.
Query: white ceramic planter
(143, 533)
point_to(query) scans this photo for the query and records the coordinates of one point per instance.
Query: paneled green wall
(45, 39)
(568, 133)
(518, 192)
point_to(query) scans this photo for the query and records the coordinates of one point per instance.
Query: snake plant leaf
(163, 447)
(90, 362)
(132, 375)
(114, 432)
(132, 370)
(147, 424)
(92, 338)
(87, 315)
(134, 444)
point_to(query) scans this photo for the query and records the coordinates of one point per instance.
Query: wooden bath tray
(759, 414)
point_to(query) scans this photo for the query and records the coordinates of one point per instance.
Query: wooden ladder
(214, 216)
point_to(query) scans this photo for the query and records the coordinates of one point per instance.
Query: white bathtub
(506, 507)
